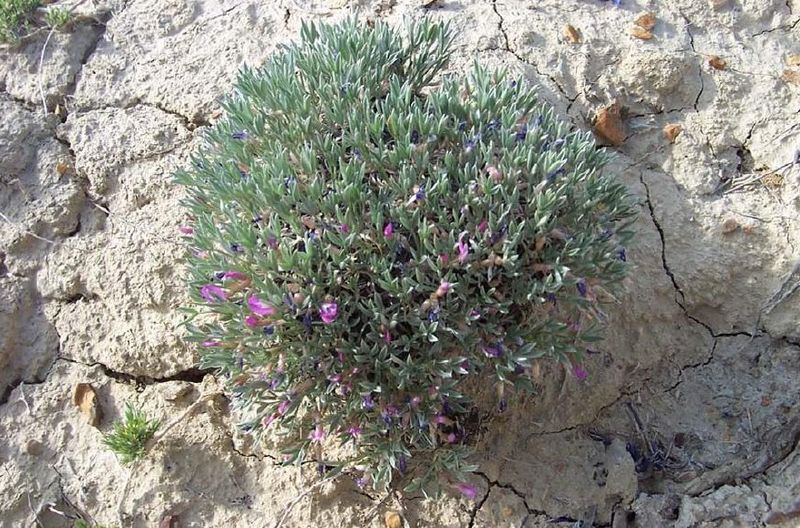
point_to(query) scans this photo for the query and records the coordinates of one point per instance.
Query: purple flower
(467, 490)
(388, 231)
(522, 133)
(621, 255)
(213, 293)
(269, 419)
(252, 321)
(328, 312)
(551, 298)
(344, 228)
(493, 351)
(579, 372)
(307, 322)
(387, 337)
(444, 257)
(317, 435)
(402, 464)
(581, 286)
(367, 402)
(212, 343)
(235, 275)
(260, 307)
(240, 135)
(185, 230)
(433, 316)
(440, 419)
(283, 407)
(269, 330)
(483, 226)
(503, 405)
(236, 248)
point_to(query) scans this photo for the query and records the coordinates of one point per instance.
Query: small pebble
(729, 225)
(671, 132)
(608, 124)
(641, 33)
(793, 60)
(392, 520)
(571, 34)
(791, 76)
(34, 447)
(718, 63)
(646, 21)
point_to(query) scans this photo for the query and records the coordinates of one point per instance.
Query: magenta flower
(354, 431)
(267, 421)
(467, 490)
(388, 231)
(252, 321)
(440, 419)
(483, 226)
(213, 293)
(317, 435)
(580, 373)
(185, 230)
(444, 257)
(283, 407)
(328, 312)
(444, 287)
(212, 343)
(260, 307)
(387, 337)
(234, 275)
(344, 228)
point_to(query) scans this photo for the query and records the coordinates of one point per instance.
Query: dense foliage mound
(361, 244)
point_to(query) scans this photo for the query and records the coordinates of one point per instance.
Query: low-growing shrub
(362, 243)
(129, 436)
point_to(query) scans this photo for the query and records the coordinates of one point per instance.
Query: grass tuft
(15, 18)
(130, 435)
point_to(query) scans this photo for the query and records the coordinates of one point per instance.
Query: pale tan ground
(701, 364)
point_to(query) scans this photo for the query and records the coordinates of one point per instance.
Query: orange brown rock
(641, 33)
(718, 63)
(791, 76)
(608, 124)
(793, 60)
(85, 398)
(646, 21)
(671, 132)
(571, 34)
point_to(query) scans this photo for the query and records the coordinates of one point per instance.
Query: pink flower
(467, 490)
(260, 307)
(344, 228)
(444, 287)
(267, 421)
(440, 419)
(494, 173)
(235, 275)
(463, 249)
(388, 231)
(185, 230)
(212, 293)
(444, 257)
(328, 312)
(317, 435)
(283, 407)
(451, 438)
(580, 373)
(387, 337)
(252, 321)
(212, 343)
(483, 226)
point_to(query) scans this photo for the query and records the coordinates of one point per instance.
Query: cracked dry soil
(691, 413)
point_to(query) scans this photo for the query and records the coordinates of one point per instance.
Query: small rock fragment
(571, 34)
(168, 521)
(729, 225)
(34, 447)
(671, 132)
(646, 21)
(392, 520)
(793, 60)
(85, 398)
(791, 76)
(62, 167)
(608, 124)
(718, 63)
(641, 33)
